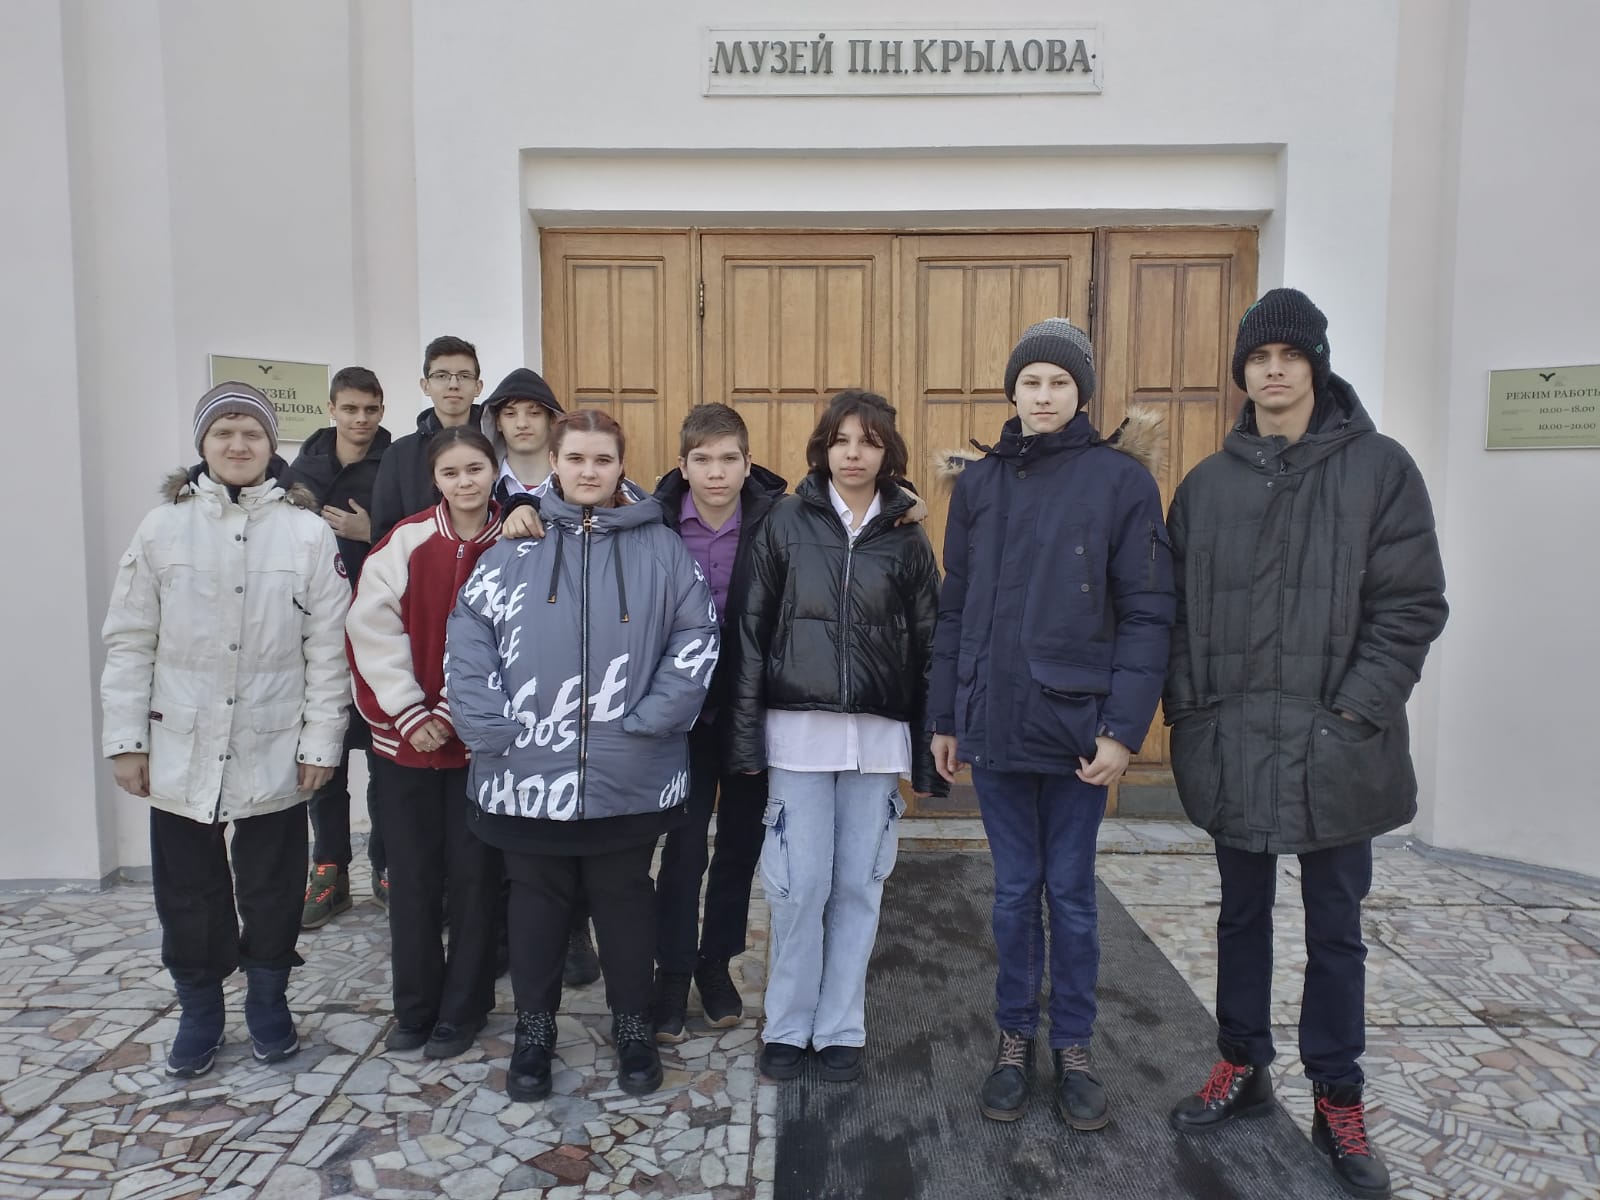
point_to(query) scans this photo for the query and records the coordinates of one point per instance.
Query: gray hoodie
(576, 663)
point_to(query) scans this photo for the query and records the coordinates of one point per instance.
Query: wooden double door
(647, 323)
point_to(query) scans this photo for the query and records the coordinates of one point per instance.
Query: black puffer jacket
(1309, 586)
(405, 485)
(317, 466)
(833, 627)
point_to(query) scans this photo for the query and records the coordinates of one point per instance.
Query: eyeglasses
(452, 376)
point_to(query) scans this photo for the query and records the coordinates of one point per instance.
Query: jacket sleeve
(380, 647)
(478, 705)
(1143, 601)
(678, 685)
(952, 603)
(923, 614)
(1179, 698)
(327, 705)
(133, 621)
(388, 503)
(1402, 599)
(747, 741)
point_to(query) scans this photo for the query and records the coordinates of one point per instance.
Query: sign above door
(898, 60)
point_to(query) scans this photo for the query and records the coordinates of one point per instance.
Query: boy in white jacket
(224, 696)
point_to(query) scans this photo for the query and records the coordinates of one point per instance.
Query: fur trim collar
(1140, 437)
(179, 485)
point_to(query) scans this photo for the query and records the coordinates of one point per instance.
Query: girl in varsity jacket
(396, 636)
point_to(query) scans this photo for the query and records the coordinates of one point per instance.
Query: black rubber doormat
(910, 1129)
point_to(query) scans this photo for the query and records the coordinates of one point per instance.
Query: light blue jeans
(830, 842)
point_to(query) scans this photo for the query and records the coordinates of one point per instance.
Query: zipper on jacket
(844, 623)
(583, 657)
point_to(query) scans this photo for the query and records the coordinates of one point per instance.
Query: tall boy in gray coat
(1309, 590)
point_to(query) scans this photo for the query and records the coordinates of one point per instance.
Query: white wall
(1518, 770)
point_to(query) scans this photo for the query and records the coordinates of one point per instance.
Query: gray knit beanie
(1054, 340)
(234, 399)
(1287, 316)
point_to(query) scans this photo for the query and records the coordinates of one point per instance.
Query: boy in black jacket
(339, 466)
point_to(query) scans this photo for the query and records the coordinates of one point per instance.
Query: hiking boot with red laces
(327, 894)
(1339, 1130)
(1004, 1096)
(1234, 1090)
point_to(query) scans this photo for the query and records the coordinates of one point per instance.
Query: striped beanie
(234, 399)
(1054, 340)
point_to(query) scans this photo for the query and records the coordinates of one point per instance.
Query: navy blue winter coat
(1058, 599)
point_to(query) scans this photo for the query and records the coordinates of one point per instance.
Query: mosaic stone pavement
(1483, 1054)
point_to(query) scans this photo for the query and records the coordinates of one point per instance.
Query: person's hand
(1110, 761)
(132, 772)
(431, 735)
(354, 524)
(917, 513)
(522, 523)
(312, 778)
(944, 756)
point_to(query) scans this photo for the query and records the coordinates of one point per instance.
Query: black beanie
(522, 384)
(1288, 316)
(1054, 340)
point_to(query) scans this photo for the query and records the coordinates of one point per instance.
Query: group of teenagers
(553, 670)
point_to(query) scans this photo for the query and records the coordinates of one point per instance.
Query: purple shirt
(713, 549)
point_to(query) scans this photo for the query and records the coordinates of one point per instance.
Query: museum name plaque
(1544, 408)
(299, 391)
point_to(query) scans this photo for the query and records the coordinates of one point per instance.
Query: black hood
(761, 484)
(324, 443)
(1337, 418)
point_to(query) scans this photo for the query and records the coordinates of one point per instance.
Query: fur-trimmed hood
(183, 483)
(1140, 437)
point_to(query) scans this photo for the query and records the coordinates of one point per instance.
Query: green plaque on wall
(299, 391)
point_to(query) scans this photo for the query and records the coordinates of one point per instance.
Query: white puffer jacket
(225, 649)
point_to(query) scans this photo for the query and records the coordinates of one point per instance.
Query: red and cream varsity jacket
(395, 631)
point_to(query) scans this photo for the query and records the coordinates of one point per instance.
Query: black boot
(1339, 1130)
(723, 1005)
(583, 964)
(1004, 1096)
(638, 1060)
(1080, 1098)
(1233, 1090)
(200, 1022)
(670, 1007)
(528, 1076)
(266, 1014)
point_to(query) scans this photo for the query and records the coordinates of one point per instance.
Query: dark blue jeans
(1333, 1022)
(1042, 831)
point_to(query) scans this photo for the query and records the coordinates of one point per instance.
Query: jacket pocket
(171, 749)
(277, 744)
(1197, 767)
(1199, 596)
(1061, 710)
(1341, 592)
(1358, 777)
(774, 851)
(889, 836)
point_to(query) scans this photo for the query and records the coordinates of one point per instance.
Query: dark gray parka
(1309, 585)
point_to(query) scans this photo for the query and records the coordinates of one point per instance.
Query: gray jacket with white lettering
(577, 663)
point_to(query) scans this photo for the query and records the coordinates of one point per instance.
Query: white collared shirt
(804, 740)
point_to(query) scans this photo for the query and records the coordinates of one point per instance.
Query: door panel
(619, 335)
(790, 319)
(1170, 302)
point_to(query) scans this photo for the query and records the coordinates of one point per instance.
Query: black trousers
(622, 903)
(426, 818)
(1333, 1022)
(329, 807)
(733, 864)
(216, 918)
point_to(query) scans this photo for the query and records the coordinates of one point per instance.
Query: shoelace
(1075, 1058)
(1222, 1077)
(1013, 1051)
(538, 1028)
(630, 1027)
(1347, 1123)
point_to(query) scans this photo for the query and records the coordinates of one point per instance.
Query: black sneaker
(408, 1037)
(839, 1064)
(528, 1074)
(1004, 1096)
(583, 964)
(721, 1000)
(448, 1041)
(1233, 1090)
(638, 1061)
(779, 1060)
(1339, 1130)
(670, 1006)
(1080, 1098)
